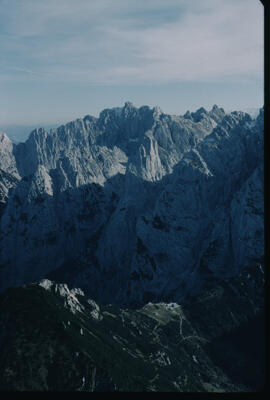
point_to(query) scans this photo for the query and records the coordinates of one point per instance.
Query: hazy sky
(63, 59)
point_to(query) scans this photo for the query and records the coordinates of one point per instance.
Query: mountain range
(136, 205)
(147, 213)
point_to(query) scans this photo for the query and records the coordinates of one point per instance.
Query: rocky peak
(201, 111)
(188, 115)
(36, 133)
(70, 297)
(129, 105)
(245, 117)
(129, 110)
(217, 114)
(7, 159)
(199, 114)
(157, 111)
(4, 140)
(260, 118)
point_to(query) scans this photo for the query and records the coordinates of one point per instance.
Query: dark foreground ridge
(53, 338)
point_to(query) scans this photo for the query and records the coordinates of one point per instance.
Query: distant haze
(19, 133)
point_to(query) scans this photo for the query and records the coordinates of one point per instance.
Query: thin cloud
(28, 71)
(127, 42)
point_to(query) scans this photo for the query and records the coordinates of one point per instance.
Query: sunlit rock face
(135, 205)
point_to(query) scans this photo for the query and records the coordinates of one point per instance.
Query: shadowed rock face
(135, 205)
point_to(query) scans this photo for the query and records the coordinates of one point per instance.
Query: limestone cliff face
(8, 169)
(7, 158)
(135, 205)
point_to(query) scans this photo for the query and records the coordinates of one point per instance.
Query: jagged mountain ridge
(135, 205)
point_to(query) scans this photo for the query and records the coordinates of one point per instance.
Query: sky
(63, 59)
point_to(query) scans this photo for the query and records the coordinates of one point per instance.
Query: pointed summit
(128, 105)
(216, 108)
(7, 160)
(128, 109)
(201, 110)
(217, 113)
(157, 111)
(188, 115)
(199, 114)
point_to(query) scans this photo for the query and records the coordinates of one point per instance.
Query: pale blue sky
(63, 59)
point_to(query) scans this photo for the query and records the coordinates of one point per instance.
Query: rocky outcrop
(8, 170)
(7, 159)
